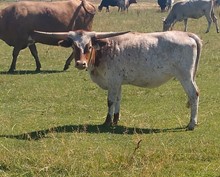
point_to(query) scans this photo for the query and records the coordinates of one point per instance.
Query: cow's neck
(94, 58)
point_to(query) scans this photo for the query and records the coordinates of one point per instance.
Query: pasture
(50, 122)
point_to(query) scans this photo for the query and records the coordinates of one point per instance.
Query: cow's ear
(99, 43)
(66, 43)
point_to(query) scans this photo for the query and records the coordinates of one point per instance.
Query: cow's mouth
(81, 65)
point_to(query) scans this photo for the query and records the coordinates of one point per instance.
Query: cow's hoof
(66, 67)
(114, 123)
(11, 71)
(107, 124)
(188, 104)
(108, 121)
(37, 70)
(191, 126)
(116, 119)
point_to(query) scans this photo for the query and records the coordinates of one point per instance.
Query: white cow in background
(169, 4)
(191, 9)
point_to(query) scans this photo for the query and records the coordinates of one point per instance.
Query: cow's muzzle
(81, 65)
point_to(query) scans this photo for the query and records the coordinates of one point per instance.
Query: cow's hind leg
(68, 61)
(14, 60)
(34, 53)
(209, 19)
(172, 25)
(107, 9)
(185, 24)
(215, 20)
(192, 92)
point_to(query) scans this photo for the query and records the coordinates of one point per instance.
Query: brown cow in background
(20, 19)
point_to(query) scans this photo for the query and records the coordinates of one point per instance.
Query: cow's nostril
(81, 64)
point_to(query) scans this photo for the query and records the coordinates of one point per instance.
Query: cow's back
(193, 8)
(27, 16)
(150, 55)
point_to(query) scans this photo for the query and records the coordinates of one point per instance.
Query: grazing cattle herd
(113, 58)
(121, 4)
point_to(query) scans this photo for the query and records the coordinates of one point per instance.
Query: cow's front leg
(172, 25)
(34, 53)
(112, 102)
(68, 61)
(117, 108)
(185, 24)
(108, 120)
(15, 53)
(209, 19)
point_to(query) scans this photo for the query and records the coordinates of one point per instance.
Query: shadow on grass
(22, 72)
(39, 134)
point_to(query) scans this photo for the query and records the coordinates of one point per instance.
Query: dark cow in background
(165, 4)
(140, 59)
(162, 4)
(121, 4)
(169, 4)
(20, 19)
(127, 4)
(107, 3)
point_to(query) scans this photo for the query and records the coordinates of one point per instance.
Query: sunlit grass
(50, 121)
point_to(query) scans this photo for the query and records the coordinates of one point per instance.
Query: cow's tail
(199, 50)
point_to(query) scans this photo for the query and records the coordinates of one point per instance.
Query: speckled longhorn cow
(140, 59)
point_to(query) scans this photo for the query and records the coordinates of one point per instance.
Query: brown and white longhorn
(140, 59)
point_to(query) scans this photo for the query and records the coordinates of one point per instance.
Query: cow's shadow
(39, 134)
(23, 72)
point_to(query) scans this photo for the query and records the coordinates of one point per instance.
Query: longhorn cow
(140, 59)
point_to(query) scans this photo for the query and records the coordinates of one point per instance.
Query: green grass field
(51, 121)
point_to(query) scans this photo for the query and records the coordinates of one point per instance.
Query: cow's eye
(90, 47)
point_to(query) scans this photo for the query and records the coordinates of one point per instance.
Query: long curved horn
(102, 35)
(56, 35)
